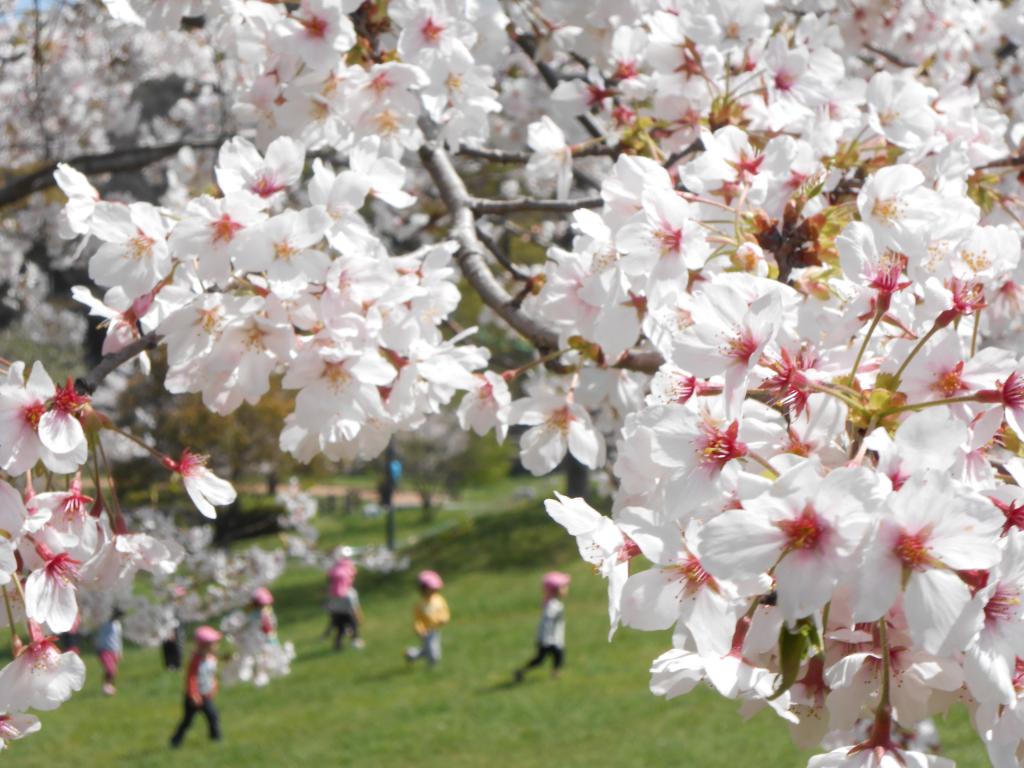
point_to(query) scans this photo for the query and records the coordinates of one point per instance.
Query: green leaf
(794, 646)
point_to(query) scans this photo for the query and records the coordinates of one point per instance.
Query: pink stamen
(805, 531)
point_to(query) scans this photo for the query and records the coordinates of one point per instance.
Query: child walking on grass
(343, 603)
(551, 631)
(430, 614)
(201, 685)
(110, 647)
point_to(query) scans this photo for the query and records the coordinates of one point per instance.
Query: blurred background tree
(441, 458)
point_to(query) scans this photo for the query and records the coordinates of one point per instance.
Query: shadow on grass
(499, 687)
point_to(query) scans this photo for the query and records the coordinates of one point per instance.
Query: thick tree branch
(88, 383)
(109, 162)
(470, 254)
(471, 261)
(518, 204)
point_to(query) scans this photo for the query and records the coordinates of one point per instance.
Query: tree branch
(109, 162)
(499, 253)
(470, 254)
(518, 204)
(471, 261)
(695, 146)
(507, 156)
(891, 57)
(1003, 162)
(529, 46)
(494, 155)
(88, 383)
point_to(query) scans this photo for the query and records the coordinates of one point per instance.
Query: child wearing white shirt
(551, 631)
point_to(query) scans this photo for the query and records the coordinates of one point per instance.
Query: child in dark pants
(343, 603)
(201, 685)
(551, 631)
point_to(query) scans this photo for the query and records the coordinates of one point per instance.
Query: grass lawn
(368, 709)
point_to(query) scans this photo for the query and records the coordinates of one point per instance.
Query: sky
(26, 5)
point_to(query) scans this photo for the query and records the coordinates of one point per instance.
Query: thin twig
(519, 204)
(494, 155)
(696, 146)
(499, 253)
(88, 383)
(1003, 162)
(529, 46)
(891, 57)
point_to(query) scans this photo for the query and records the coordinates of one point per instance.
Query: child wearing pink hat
(201, 685)
(551, 631)
(429, 615)
(343, 603)
(262, 613)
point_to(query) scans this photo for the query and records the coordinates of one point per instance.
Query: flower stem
(931, 404)
(515, 373)
(883, 638)
(96, 477)
(116, 511)
(690, 197)
(917, 348)
(21, 589)
(137, 440)
(974, 332)
(864, 344)
(763, 462)
(10, 616)
(828, 390)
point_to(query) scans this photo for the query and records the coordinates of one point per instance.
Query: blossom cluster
(56, 542)
(825, 475)
(780, 308)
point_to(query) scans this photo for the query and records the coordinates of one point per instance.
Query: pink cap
(430, 580)
(207, 634)
(342, 576)
(342, 568)
(262, 596)
(555, 580)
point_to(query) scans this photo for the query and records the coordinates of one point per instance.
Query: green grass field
(368, 709)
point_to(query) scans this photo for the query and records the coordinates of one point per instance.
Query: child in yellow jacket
(429, 615)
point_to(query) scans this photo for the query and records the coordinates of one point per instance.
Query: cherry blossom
(756, 265)
(134, 255)
(40, 677)
(204, 488)
(556, 426)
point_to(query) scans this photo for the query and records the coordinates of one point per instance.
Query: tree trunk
(426, 505)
